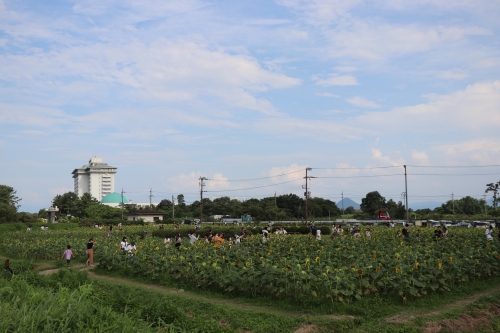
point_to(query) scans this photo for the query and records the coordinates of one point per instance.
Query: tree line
(282, 207)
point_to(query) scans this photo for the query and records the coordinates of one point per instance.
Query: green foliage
(349, 210)
(7, 213)
(372, 203)
(465, 206)
(99, 212)
(8, 196)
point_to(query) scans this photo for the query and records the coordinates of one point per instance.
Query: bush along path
(430, 320)
(193, 296)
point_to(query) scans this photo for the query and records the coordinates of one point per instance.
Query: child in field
(6, 266)
(68, 254)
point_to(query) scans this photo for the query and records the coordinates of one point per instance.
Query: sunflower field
(337, 269)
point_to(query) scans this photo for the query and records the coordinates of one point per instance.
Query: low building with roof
(146, 216)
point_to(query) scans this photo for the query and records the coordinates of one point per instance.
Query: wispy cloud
(336, 80)
(360, 101)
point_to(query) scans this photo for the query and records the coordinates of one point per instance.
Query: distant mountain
(348, 203)
(423, 205)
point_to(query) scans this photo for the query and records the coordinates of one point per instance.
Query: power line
(251, 188)
(453, 174)
(390, 175)
(454, 166)
(251, 179)
(366, 168)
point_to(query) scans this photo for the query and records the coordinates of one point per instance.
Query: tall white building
(96, 178)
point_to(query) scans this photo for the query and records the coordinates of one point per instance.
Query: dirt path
(406, 317)
(191, 295)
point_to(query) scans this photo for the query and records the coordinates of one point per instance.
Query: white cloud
(190, 181)
(337, 80)
(287, 173)
(163, 70)
(364, 40)
(385, 160)
(345, 69)
(481, 150)
(326, 94)
(420, 157)
(473, 109)
(321, 130)
(451, 75)
(360, 101)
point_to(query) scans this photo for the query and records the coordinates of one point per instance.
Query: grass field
(289, 284)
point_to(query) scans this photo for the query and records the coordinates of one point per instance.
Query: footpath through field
(191, 295)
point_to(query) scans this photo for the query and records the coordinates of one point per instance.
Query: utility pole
(453, 204)
(150, 197)
(406, 195)
(342, 203)
(275, 205)
(485, 205)
(202, 179)
(173, 207)
(307, 194)
(122, 204)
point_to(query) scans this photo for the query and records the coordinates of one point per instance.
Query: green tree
(66, 203)
(180, 200)
(8, 204)
(7, 213)
(372, 203)
(83, 204)
(42, 213)
(99, 211)
(349, 210)
(8, 196)
(493, 187)
(164, 205)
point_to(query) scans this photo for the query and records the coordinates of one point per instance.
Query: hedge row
(229, 231)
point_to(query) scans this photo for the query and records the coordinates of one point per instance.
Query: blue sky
(169, 91)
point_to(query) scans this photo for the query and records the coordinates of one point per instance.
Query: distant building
(146, 216)
(96, 178)
(116, 199)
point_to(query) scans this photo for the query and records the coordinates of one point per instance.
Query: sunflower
(440, 265)
(360, 272)
(353, 266)
(397, 270)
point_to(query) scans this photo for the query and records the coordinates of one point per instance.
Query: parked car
(481, 224)
(186, 222)
(464, 224)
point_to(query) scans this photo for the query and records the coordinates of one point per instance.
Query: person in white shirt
(193, 238)
(167, 240)
(130, 248)
(489, 233)
(264, 237)
(265, 232)
(124, 244)
(318, 234)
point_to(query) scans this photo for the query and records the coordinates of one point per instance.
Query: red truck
(383, 215)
